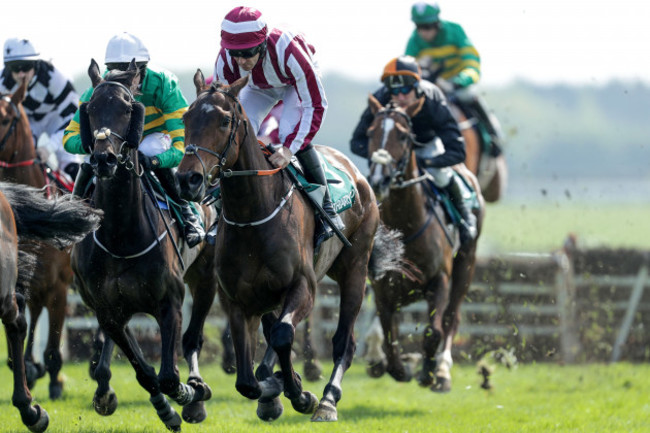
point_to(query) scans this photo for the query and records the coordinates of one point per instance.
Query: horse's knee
(168, 384)
(53, 360)
(282, 335)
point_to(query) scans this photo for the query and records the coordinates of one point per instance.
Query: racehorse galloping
(53, 275)
(265, 258)
(26, 214)
(445, 279)
(136, 261)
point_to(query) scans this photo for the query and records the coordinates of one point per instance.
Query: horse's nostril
(111, 159)
(196, 179)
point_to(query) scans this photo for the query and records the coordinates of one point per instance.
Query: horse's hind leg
(34, 417)
(312, 368)
(52, 355)
(33, 370)
(386, 310)
(228, 359)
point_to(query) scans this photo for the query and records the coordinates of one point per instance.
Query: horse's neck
(20, 148)
(122, 200)
(410, 201)
(247, 198)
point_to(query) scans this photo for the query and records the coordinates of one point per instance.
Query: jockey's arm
(71, 137)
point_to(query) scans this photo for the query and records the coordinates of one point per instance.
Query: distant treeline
(551, 130)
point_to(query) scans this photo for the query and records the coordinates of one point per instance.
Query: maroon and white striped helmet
(243, 28)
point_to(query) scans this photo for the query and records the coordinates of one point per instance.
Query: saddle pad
(342, 190)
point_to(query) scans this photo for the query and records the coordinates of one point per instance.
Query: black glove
(148, 163)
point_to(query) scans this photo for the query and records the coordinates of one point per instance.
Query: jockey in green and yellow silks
(444, 51)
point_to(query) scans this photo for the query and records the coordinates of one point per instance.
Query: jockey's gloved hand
(462, 80)
(148, 163)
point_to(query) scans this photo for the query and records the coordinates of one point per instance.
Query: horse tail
(59, 222)
(388, 256)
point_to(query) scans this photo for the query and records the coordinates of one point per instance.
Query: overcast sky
(543, 41)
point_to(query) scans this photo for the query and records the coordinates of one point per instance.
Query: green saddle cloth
(342, 190)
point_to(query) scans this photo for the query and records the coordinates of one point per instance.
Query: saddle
(157, 193)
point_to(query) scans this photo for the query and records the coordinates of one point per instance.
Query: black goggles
(21, 66)
(246, 54)
(403, 90)
(123, 66)
(427, 26)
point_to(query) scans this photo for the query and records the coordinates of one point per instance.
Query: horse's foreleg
(34, 417)
(52, 355)
(436, 295)
(105, 400)
(228, 359)
(269, 405)
(33, 370)
(312, 368)
(353, 287)
(242, 336)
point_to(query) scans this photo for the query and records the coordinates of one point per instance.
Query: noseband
(14, 121)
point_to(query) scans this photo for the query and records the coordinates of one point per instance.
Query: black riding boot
(194, 232)
(461, 197)
(491, 125)
(314, 173)
(83, 180)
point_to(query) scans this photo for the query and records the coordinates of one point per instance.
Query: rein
(14, 122)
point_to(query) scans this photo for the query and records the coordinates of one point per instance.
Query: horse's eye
(5, 122)
(225, 122)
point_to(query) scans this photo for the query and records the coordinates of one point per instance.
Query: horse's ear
(374, 104)
(236, 87)
(132, 65)
(93, 73)
(199, 81)
(415, 107)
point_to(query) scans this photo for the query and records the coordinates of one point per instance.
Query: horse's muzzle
(104, 163)
(191, 185)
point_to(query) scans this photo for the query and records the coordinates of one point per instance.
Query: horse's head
(390, 145)
(10, 113)
(215, 127)
(111, 122)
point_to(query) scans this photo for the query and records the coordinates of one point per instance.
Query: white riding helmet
(19, 49)
(124, 47)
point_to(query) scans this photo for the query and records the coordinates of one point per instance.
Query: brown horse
(491, 172)
(53, 276)
(430, 245)
(137, 262)
(26, 214)
(265, 258)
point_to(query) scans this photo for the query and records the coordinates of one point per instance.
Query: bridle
(14, 121)
(381, 156)
(105, 133)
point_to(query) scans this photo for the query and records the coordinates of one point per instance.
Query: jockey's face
(403, 100)
(247, 63)
(428, 32)
(19, 74)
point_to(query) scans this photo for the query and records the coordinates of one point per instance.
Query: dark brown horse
(137, 261)
(26, 214)
(53, 276)
(430, 244)
(491, 171)
(265, 258)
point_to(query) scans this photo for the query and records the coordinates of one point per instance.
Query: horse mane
(122, 77)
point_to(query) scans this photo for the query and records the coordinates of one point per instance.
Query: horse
(265, 258)
(445, 274)
(26, 214)
(137, 261)
(491, 171)
(49, 288)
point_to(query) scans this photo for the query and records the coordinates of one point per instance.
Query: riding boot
(314, 173)
(83, 180)
(194, 232)
(491, 125)
(461, 197)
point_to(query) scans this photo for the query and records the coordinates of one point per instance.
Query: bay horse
(265, 251)
(446, 274)
(26, 215)
(137, 261)
(51, 279)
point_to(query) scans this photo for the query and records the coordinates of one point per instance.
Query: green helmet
(425, 13)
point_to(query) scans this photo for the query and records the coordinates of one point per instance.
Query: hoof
(202, 388)
(269, 409)
(56, 390)
(401, 375)
(306, 403)
(194, 413)
(326, 412)
(173, 421)
(376, 369)
(33, 372)
(442, 385)
(425, 378)
(313, 371)
(106, 404)
(43, 421)
(228, 367)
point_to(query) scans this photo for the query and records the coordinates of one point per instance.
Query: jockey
(444, 51)
(50, 102)
(282, 67)
(162, 146)
(432, 125)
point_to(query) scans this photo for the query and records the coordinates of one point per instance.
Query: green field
(542, 227)
(530, 398)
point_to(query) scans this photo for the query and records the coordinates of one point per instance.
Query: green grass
(530, 398)
(542, 227)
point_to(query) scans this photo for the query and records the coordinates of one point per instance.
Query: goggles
(427, 26)
(21, 66)
(123, 66)
(403, 90)
(245, 54)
